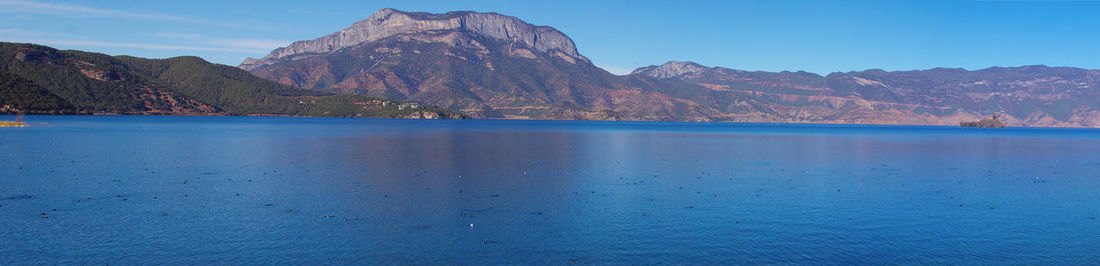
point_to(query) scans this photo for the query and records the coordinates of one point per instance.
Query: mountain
(487, 65)
(1028, 95)
(390, 22)
(40, 79)
(490, 65)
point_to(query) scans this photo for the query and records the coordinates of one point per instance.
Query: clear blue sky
(815, 36)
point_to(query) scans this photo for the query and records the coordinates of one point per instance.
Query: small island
(985, 122)
(17, 123)
(12, 124)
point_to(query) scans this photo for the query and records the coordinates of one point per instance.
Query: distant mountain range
(496, 66)
(1028, 96)
(488, 65)
(37, 79)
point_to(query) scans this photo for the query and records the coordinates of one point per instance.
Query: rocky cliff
(390, 22)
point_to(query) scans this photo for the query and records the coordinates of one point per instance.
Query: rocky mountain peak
(673, 69)
(391, 22)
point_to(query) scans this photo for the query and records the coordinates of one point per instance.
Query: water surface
(233, 190)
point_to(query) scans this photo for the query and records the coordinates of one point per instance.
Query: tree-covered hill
(19, 95)
(40, 79)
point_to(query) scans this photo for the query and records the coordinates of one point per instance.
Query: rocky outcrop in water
(986, 122)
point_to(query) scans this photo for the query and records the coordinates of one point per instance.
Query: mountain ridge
(389, 22)
(695, 65)
(1036, 95)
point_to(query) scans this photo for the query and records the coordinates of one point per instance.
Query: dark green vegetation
(19, 95)
(40, 79)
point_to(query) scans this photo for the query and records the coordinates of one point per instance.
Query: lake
(272, 190)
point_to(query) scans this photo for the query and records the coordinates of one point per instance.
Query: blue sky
(815, 36)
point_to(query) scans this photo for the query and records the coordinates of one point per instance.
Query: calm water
(232, 190)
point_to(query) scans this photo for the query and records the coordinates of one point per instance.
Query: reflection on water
(303, 190)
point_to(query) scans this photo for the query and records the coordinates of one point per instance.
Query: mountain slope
(20, 95)
(95, 82)
(487, 65)
(183, 85)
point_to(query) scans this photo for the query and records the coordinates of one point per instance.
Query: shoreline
(822, 123)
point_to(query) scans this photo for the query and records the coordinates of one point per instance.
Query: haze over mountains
(495, 66)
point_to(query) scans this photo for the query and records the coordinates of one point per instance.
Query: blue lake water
(239, 190)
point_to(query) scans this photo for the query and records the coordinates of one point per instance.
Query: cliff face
(390, 22)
